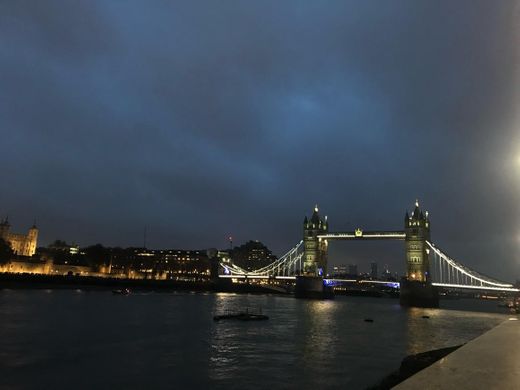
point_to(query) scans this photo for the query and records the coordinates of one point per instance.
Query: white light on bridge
(465, 286)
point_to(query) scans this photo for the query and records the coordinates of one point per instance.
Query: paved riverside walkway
(491, 361)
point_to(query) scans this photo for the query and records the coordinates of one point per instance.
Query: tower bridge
(427, 267)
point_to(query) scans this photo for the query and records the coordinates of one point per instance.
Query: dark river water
(97, 340)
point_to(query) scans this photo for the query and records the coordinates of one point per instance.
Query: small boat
(242, 316)
(123, 291)
(369, 320)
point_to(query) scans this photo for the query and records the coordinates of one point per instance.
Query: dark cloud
(201, 119)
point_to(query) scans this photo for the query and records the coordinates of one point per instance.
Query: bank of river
(66, 282)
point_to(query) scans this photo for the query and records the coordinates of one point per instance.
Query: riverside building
(21, 244)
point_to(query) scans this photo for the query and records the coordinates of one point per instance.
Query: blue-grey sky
(201, 119)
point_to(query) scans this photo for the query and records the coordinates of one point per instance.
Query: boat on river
(123, 291)
(241, 316)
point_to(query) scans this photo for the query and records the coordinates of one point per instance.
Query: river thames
(94, 339)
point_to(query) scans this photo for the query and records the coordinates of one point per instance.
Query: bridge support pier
(414, 293)
(312, 287)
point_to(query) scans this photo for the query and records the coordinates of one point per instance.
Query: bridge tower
(315, 256)
(310, 284)
(417, 229)
(416, 287)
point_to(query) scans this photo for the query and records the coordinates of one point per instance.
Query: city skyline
(199, 123)
(366, 259)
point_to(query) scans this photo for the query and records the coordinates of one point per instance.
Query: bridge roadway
(389, 283)
(491, 361)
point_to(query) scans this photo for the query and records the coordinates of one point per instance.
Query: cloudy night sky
(201, 119)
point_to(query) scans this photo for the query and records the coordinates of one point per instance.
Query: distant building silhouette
(373, 270)
(345, 271)
(21, 244)
(386, 274)
(339, 270)
(252, 255)
(157, 263)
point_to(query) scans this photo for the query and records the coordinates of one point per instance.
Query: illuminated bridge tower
(315, 256)
(310, 283)
(416, 287)
(417, 229)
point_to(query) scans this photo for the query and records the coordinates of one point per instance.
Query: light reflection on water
(98, 340)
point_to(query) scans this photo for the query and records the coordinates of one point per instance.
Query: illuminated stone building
(315, 261)
(38, 266)
(417, 227)
(21, 244)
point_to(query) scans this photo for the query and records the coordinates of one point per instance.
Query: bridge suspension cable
(447, 272)
(287, 265)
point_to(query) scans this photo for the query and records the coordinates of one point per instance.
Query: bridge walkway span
(364, 235)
